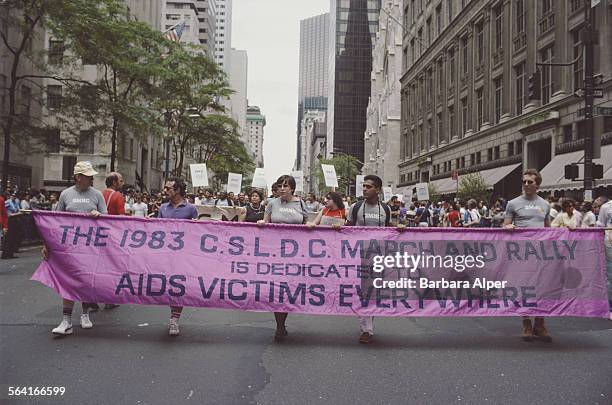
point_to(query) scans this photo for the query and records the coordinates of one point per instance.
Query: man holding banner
(83, 198)
(177, 207)
(369, 212)
(529, 210)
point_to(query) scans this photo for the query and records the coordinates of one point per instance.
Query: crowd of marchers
(284, 206)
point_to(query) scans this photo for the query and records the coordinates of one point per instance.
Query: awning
(495, 175)
(491, 177)
(553, 174)
(445, 186)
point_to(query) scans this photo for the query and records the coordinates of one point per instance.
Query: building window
(3, 86)
(429, 32)
(412, 51)
(53, 141)
(578, 66)
(479, 109)
(519, 146)
(439, 19)
(546, 6)
(26, 101)
(489, 154)
(54, 96)
(567, 133)
(547, 56)
(510, 149)
(440, 78)
(451, 120)
(519, 7)
(56, 52)
(86, 142)
(451, 66)
(464, 48)
(420, 40)
(499, 26)
(478, 157)
(496, 153)
(449, 10)
(68, 163)
(462, 162)
(498, 84)
(479, 43)
(472, 159)
(464, 115)
(440, 129)
(519, 73)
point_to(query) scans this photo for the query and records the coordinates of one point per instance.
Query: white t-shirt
(140, 209)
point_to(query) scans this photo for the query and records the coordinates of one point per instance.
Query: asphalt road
(229, 357)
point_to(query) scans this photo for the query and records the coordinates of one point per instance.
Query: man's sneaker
(64, 328)
(86, 322)
(540, 332)
(110, 306)
(366, 337)
(527, 334)
(173, 329)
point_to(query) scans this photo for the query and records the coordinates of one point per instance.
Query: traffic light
(571, 171)
(597, 171)
(534, 85)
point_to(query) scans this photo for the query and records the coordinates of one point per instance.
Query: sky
(269, 30)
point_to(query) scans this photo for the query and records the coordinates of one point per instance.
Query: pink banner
(352, 271)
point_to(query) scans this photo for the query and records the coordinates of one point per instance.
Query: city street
(229, 356)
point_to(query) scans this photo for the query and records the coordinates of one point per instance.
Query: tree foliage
(347, 168)
(473, 186)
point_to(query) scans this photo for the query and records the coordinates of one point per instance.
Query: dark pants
(13, 237)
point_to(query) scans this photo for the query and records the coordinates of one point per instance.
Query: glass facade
(355, 23)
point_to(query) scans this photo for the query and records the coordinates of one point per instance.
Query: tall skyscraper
(256, 122)
(352, 34)
(314, 73)
(238, 82)
(223, 34)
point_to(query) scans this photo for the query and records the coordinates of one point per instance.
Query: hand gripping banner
(352, 271)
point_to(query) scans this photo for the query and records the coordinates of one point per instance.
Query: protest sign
(234, 183)
(199, 175)
(329, 172)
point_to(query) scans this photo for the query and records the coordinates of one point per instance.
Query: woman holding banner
(334, 213)
(286, 209)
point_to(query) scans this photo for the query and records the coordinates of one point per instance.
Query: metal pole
(167, 158)
(589, 33)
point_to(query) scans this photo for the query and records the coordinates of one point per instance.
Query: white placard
(259, 178)
(329, 171)
(234, 183)
(359, 185)
(388, 193)
(422, 190)
(199, 175)
(298, 175)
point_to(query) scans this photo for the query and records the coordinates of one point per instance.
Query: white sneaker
(86, 322)
(64, 328)
(173, 329)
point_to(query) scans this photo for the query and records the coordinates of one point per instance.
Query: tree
(473, 186)
(129, 56)
(347, 169)
(434, 196)
(186, 97)
(27, 19)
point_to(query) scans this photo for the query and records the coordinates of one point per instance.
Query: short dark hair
(374, 179)
(179, 185)
(336, 198)
(111, 178)
(535, 173)
(258, 193)
(288, 179)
